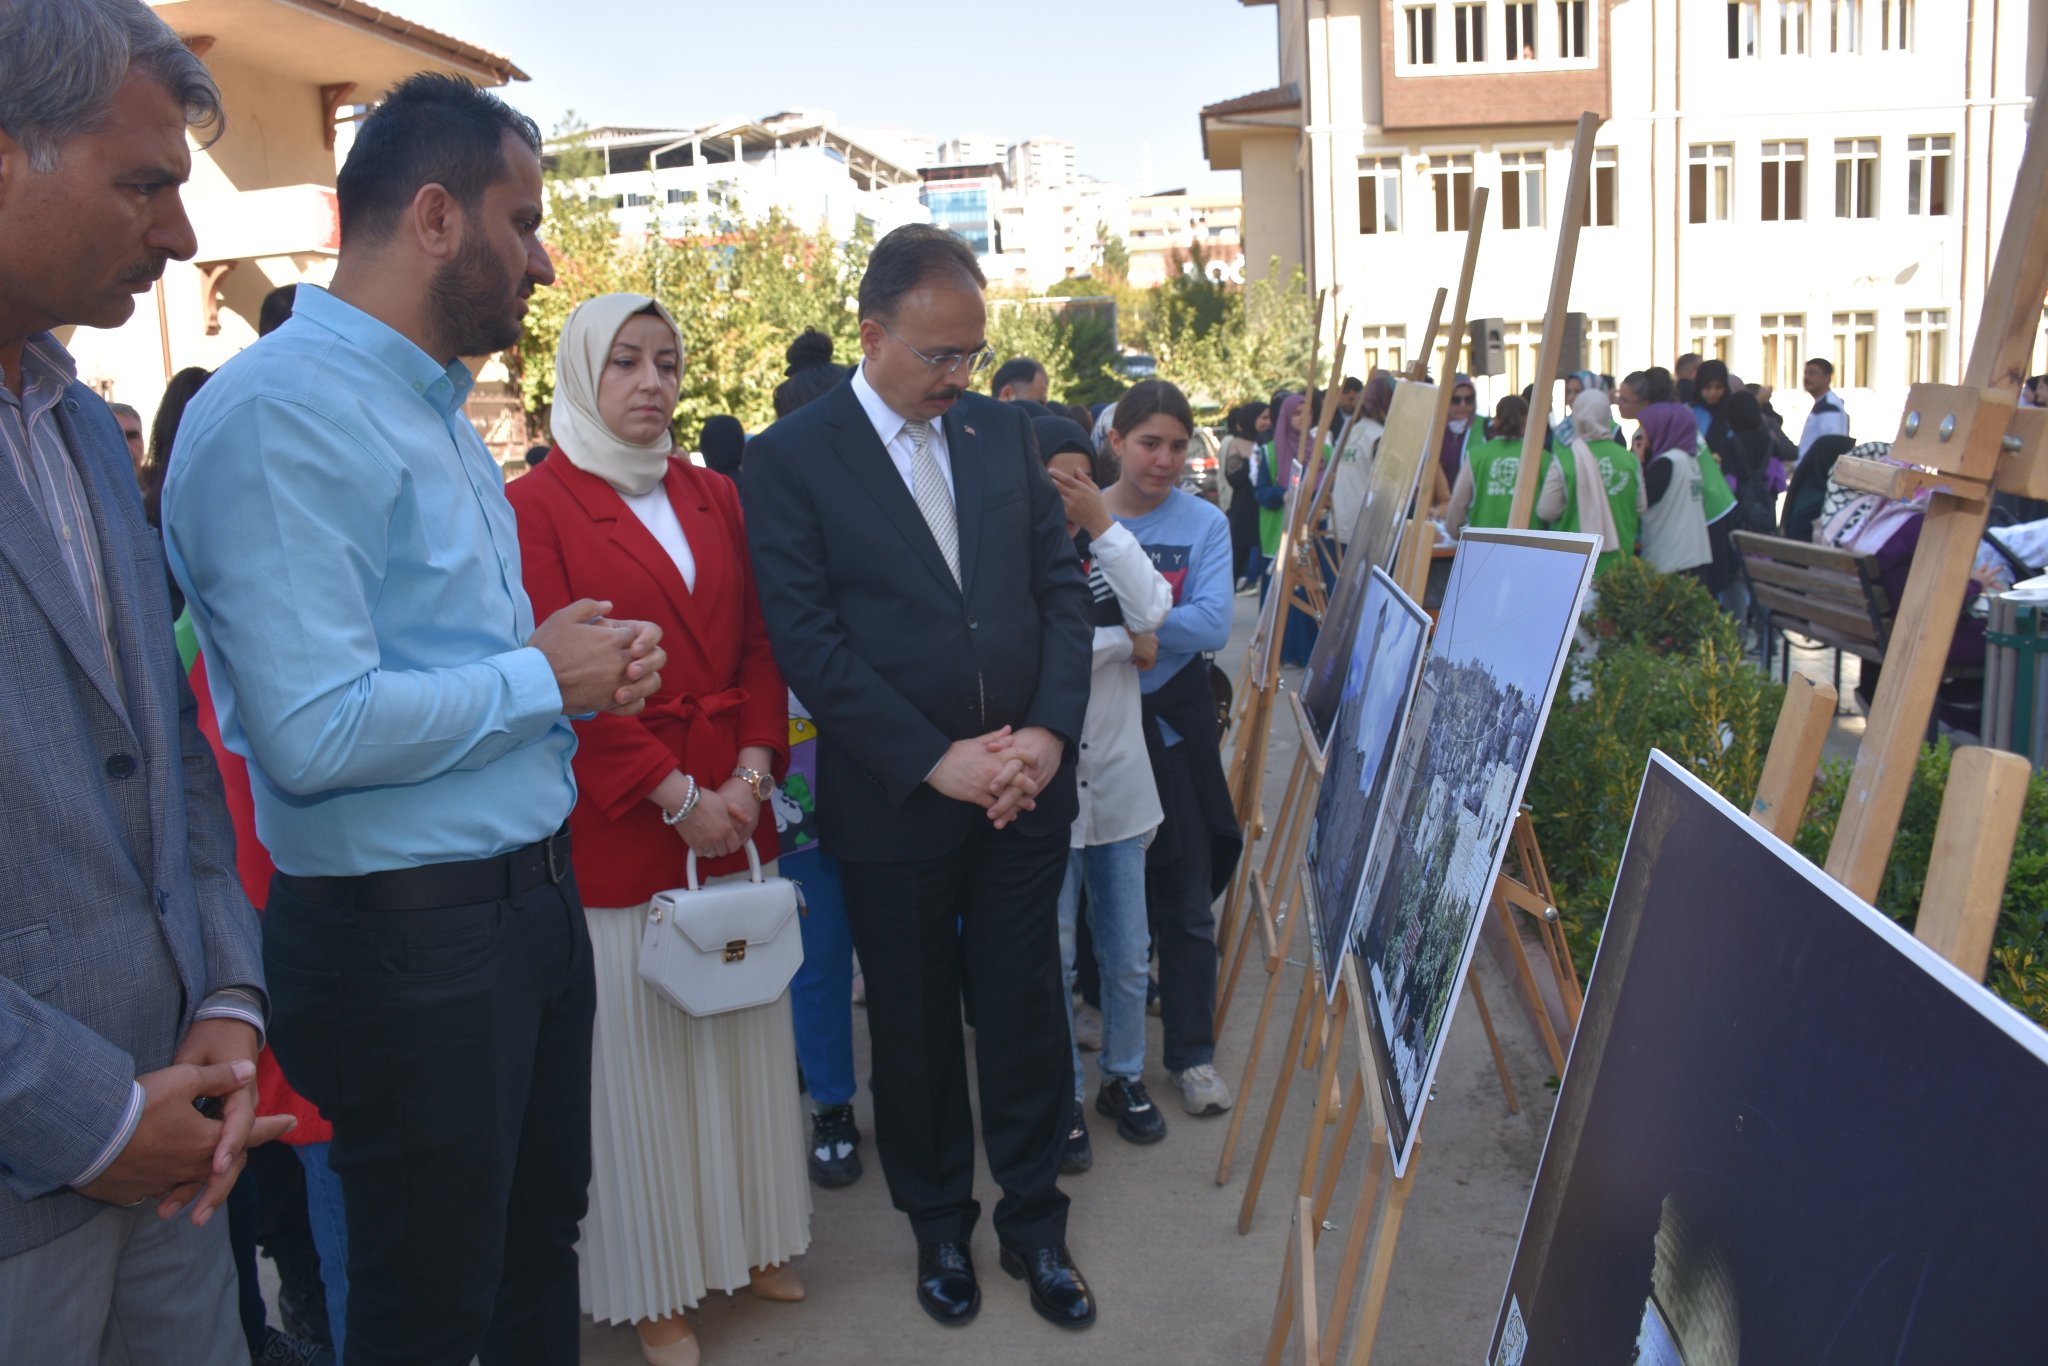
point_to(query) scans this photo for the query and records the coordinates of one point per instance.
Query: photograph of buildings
(1500, 644)
(1388, 634)
(1372, 544)
(1788, 1131)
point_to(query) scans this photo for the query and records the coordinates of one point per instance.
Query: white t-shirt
(658, 515)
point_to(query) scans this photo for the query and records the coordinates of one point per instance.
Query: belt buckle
(556, 872)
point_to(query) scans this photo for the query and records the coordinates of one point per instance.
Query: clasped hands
(601, 664)
(1001, 772)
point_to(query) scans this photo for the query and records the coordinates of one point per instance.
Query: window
(1784, 339)
(682, 196)
(1450, 182)
(1855, 334)
(1421, 34)
(1379, 194)
(1710, 167)
(1926, 344)
(1521, 29)
(1520, 342)
(1603, 196)
(635, 200)
(1712, 336)
(1384, 347)
(1856, 177)
(1603, 345)
(1784, 182)
(1845, 26)
(1894, 24)
(1521, 189)
(1745, 18)
(1793, 19)
(1571, 28)
(1927, 163)
(1469, 25)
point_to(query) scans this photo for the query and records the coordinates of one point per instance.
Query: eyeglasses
(1464, 400)
(975, 361)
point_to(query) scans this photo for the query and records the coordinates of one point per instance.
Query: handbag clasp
(736, 951)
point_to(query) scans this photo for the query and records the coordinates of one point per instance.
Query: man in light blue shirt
(353, 571)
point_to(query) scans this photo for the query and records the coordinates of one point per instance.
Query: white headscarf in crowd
(580, 430)
(1593, 420)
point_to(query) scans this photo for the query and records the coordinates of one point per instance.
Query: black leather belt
(437, 885)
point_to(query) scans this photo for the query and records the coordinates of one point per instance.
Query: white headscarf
(1593, 420)
(580, 430)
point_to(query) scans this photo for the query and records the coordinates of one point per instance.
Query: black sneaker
(1137, 1119)
(1079, 1154)
(835, 1147)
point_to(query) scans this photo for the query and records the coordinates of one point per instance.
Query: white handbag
(714, 949)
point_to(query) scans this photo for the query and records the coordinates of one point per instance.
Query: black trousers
(450, 1048)
(984, 918)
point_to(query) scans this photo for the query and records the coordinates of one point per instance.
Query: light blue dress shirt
(353, 570)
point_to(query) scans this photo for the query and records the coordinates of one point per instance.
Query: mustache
(146, 273)
(949, 393)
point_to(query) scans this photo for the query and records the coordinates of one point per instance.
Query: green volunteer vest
(1621, 476)
(1716, 498)
(1495, 464)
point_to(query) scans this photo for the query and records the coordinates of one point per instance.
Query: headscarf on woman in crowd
(581, 433)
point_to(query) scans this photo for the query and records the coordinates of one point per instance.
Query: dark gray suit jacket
(120, 911)
(892, 657)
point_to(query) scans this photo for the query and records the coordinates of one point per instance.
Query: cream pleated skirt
(697, 1142)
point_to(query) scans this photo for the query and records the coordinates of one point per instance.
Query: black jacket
(892, 658)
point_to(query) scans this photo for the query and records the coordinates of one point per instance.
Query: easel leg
(1500, 1062)
(1386, 1233)
(1362, 1222)
(1537, 1008)
(1282, 1082)
(1251, 1057)
(1254, 909)
(1326, 1084)
(1333, 1166)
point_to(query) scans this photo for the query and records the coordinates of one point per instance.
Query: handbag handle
(753, 865)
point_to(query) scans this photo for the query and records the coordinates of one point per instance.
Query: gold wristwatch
(762, 785)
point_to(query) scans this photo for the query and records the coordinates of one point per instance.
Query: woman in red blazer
(698, 1177)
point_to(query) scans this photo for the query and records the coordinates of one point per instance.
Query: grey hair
(61, 62)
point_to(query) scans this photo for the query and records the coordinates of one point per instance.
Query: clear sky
(1113, 76)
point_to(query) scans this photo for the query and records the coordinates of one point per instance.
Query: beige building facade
(1774, 179)
(261, 198)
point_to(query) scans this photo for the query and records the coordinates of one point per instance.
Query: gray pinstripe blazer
(120, 911)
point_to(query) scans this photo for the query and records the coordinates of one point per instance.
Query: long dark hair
(163, 433)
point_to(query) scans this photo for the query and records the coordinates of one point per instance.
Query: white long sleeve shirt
(1118, 797)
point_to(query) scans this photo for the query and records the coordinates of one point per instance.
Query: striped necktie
(934, 499)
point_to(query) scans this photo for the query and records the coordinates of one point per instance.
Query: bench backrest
(1829, 594)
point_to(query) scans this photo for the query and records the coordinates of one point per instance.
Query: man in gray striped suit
(131, 985)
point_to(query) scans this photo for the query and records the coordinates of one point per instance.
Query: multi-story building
(798, 162)
(261, 198)
(1171, 231)
(963, 199)
(1772, 179)
(1041, 164)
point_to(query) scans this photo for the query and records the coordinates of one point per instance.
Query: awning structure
(1225, 125)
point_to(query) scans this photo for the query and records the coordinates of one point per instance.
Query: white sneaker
(1087, 1028)
(1202, 1092)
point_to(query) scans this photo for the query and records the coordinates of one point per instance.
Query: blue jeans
(1115, 877)
(330, 1235)
(821, 994)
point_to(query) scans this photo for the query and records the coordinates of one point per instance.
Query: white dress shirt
(894, 429)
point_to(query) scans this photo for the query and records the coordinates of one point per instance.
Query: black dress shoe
(946, 1288)
(1057, 1291)
(1079, 1154)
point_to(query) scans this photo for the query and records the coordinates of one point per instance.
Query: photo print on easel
(1501, 640)
(1374, 544)
(1389, 636)
(1788, 1130)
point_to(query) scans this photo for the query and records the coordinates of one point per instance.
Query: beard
(475, 302)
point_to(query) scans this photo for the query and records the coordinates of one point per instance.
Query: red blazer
(720, 691)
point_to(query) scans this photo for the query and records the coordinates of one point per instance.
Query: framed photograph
(1374, 543)
(1379, 686)
(1787, 1131)
(1501, 640)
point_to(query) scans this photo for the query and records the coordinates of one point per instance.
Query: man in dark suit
(925, 603)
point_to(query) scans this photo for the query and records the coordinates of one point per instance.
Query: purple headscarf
(1287, 443)
(1669, 427)
(1452, 454)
